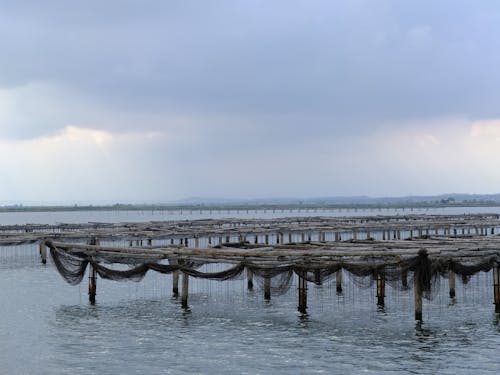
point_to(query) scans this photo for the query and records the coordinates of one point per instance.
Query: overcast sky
(153, 101)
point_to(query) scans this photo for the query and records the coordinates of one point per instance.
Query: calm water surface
(48, 327)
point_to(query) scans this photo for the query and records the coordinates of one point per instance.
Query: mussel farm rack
(408, 251)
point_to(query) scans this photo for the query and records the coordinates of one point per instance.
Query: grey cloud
(333, 66)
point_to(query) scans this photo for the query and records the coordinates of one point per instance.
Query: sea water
(49, 327)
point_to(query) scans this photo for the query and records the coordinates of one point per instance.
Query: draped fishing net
(422, 271)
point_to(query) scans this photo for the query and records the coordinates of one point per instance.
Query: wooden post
(175, 280)
(404, 279)
(418, 298)
(380, 290)
(289, 237)
(150, 242)
(338, 277)
(43, 251)
(496, 287)
(92, 284)
(451, 281)
(185, 287)
(317, 276)
(266, 239)
(267, 288)
(302, 294)
(250, 279)
(92, 275)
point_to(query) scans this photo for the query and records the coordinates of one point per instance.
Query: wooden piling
(43, 251)
(380, 289)
(267, 288)
(92, 284)
(404, 279)
(496, 287)
(185, 288)
(338, 281)
(418, 298)
(302, 294)
(92, 275)
(451, 282)
(249, 279)
(317, 277)
(175, 280)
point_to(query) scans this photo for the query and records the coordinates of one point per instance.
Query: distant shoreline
(249, 207)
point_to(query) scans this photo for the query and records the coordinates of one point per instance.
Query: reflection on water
(133, 329)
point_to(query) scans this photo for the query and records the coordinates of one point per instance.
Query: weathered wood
(451, 282)
(267, 289)
(302, 294)
(338, 278)
(496, 288)
(185, 289)
(418, 299)
(92, 284)
(404, 279)
(175, 279)
(317, 276)
(380, 290)
(43, 251)
(249, 279)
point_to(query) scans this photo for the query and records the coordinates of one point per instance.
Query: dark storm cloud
(311, 67)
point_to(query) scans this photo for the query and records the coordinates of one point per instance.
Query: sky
(154, 101)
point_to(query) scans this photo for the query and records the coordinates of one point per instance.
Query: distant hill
(443, 200)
